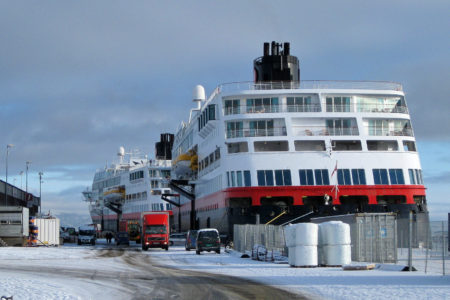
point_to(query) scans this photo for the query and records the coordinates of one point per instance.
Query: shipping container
(14, 225)
(48, 231)
(373, 235)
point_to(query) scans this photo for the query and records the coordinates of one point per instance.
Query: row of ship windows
(321, 177)
(209, 160)
(388, 104)
(336, 145)
(106, 183)
(146, 207)
(201, 209)
(152, 173)
(143, 195)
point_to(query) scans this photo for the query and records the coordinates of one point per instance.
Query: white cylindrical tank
(198, 95)
(334, 243)
(302, 240)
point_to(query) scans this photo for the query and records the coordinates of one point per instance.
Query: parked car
(122, 238)
(208, 240)
(191, 240)
(177, 239)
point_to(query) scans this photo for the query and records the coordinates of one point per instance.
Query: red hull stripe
(218, 199)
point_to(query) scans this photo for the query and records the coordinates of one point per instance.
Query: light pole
(40, 189)
(6, 184)
(26, 177)
(21, 173)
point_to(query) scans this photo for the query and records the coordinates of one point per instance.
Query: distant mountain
(73, 219)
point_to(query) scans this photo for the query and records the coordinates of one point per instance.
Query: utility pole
(6, 184)
(27, 164)
(40, 191)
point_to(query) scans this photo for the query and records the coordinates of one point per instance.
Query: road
(128, 273)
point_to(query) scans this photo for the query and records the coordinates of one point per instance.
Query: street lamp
(21, 173)
(6, 184)
(26, 176)
(40, 189)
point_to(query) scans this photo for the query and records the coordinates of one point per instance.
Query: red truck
(155, 230)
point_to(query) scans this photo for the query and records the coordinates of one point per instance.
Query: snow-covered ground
(325, 283)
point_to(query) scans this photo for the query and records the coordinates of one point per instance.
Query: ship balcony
(360, 108)
(276, 131)
(324, 131)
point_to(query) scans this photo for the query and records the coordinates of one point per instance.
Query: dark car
(208, 240)
(191, 240)
(177, 239)
(122, 238)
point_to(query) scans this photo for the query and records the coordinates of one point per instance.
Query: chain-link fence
(269, 236)
(429, 251)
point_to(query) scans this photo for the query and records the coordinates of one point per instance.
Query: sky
(79, 79)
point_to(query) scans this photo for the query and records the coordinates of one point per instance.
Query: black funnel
(278, 65)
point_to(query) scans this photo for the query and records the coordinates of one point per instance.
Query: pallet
(358, 267)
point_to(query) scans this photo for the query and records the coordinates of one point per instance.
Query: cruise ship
(122, 190)
(279, 149)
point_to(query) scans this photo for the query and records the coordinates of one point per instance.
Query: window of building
(306, 177)
(380, 176)
(338, 104)
(341, 127)
(211, 112)
(358, 176)
(265, 177)
(322, 177)
(301, 104)
(247, 178)
(234, 129)
(237, 147)
(382, 145)
(262, 105)
(263, 146)
(346, 145)
(233, 178)
(283, 177)
(261, 128)
(396, 176)
(409, 146)
(309, 145)
(232, 107)
(415, 176)
(344, 177)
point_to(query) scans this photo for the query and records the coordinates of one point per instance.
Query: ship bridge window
(346, 145)
(309, 145)
(238, 178)
(358, 176)
(266, 146)
(338, 104)
(409, 146)
(237, 147)
(283, 177)
(382, 145)
(136, 175)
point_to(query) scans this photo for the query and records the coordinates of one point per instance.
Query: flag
(335, 170)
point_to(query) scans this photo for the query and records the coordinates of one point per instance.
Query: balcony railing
(380, 131)
(324, 131)
(277, 131)
(310, 84)
(313, 108)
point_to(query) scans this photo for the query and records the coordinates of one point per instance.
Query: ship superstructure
(122, 190)
(279, 147)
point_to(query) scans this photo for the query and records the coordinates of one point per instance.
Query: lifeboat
(114, 194)
(185, 165)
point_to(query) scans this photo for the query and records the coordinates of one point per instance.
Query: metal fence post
(443, 250)
(410, 242)
(427, 245)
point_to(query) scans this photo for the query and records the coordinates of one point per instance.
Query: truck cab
(87, 235)
(155, 230)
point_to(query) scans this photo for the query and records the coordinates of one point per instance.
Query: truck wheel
(144, 248)
(198, 252)
(218, 251)
(167, 248)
